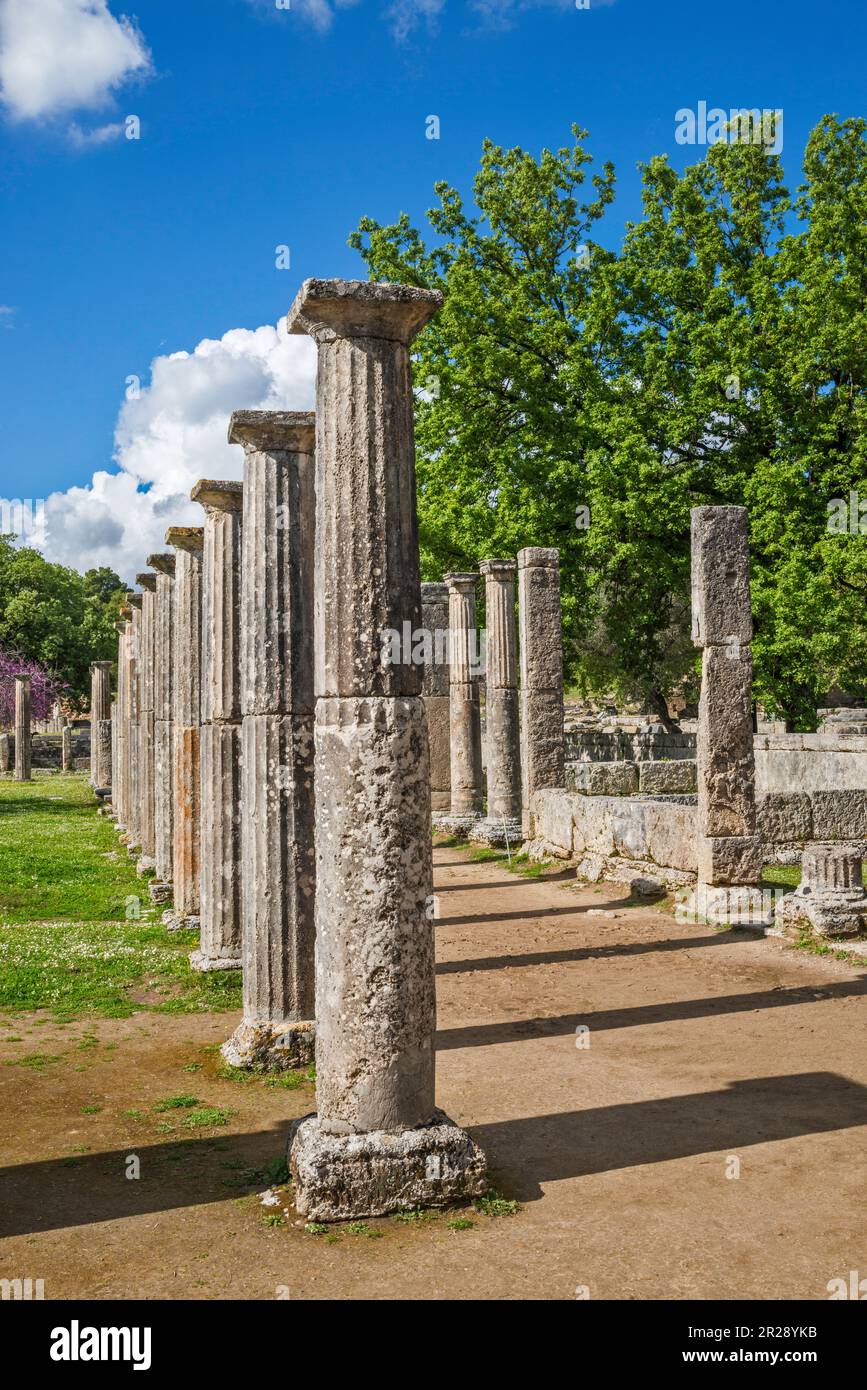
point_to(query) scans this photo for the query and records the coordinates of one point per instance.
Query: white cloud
(100, 135)
(170, 436)
(62, 55)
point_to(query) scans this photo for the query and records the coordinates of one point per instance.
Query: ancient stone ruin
(295, 710)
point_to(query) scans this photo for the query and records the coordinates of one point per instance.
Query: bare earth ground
(703, 1046)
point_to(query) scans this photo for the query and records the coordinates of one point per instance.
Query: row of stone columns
(523, 727)
(280, 774)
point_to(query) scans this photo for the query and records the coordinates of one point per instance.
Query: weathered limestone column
(146, 793)
(502, 824)
(66, 747)
(278, 871)
(542, 732)
(465, 726)
(134, 807)
(435, 689)
(378, 1143)
(118, 797)
(100, 725)
(186, 715)
(4, 752)
(729, 849)
(22, 729)
(220, 873)
(160, 887)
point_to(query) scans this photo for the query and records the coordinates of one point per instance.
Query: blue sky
(263, 127)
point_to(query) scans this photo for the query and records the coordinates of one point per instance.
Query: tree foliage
(56, 617)
(718, 356)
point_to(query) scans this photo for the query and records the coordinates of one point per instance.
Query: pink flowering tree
(45, 688)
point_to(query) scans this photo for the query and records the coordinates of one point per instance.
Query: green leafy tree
(719, 357)
(54, 616)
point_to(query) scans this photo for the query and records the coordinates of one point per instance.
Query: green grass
(65, 942)
(53, 849)
(788, 876)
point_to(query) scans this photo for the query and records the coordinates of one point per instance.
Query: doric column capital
(498, 569)
(218, 496)
(190, 538)
(331, 309)
(264, 431)
(163, 562)
(538, 557)
(135, 601)
(462, 583)
(146, 580)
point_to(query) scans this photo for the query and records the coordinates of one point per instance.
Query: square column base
(271, 1047)
(339, 1177)
(177, 921)
(456, 823)
(496, 830)
(200, 961)
(729, 905)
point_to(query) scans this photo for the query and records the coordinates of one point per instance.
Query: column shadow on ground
(528, 1152)
(525, 1153)
(568, 955)
(53, 1194)
(601, 1020)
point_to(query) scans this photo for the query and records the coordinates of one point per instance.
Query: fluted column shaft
(146, 723)
(464, 714)
(121, 723)
(100, 714)
(502, 723)
(435, 688)
(186, 717)
(164, 798)
(542, 731)
(22, 729)
(276, 703)
(220, 848)
(134, 803)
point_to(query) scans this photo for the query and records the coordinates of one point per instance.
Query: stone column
(160, 887)
(729, 849)
(465, 727)
(134, 808)
(220, 873)
(186, 717)
(100, 724)
(502, 824)
(378, 1143)
(146, 721)
(278, 871)
(66, 747)
(4, 752)
(435, 689)
(22, 729)
(119, 769)
(542, 732)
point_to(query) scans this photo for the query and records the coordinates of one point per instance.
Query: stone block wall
(46, 749)
(627, 839)
(617, 745)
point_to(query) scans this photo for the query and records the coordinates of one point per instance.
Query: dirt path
(703, 1048)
